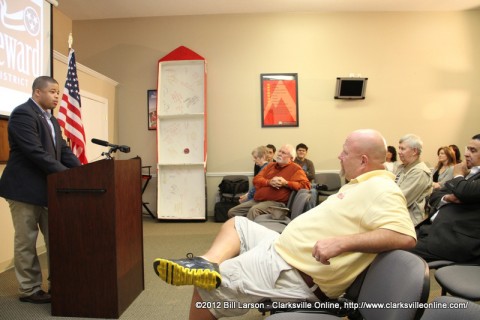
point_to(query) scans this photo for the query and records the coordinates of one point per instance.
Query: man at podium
(36, 150)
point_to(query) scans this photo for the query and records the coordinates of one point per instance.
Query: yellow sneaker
(190, 271)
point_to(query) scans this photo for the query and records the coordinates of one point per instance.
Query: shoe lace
(190, 255)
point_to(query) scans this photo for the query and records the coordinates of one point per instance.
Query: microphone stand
(108, 154)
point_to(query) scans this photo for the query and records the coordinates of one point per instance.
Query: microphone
(115, 147)
(101, 142)
(124, 149)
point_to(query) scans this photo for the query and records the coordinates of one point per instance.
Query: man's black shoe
(38, 297)
(190, 271)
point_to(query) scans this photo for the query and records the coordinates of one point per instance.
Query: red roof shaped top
(182, 53)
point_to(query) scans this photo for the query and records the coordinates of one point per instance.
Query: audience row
(414, 178)
(320, 253)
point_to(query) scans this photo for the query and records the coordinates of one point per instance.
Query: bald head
(371, 143)
(364, 150)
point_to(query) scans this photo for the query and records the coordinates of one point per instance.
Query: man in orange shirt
(273, 185)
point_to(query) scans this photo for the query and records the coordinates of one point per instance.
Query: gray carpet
(158, 300)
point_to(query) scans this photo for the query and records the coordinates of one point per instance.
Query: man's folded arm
(375, 241)
(467, 191)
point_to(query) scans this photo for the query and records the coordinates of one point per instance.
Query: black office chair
(330, 182)
(460, 280)
(394, 277)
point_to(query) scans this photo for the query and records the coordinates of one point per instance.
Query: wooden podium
(96, 238)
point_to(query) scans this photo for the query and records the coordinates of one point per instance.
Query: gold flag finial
(70, 41)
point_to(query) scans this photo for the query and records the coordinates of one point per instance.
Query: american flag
(70, 115)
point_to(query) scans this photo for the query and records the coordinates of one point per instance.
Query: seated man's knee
(233, 212)
(253, 213)
(230, 214)
(241, 209)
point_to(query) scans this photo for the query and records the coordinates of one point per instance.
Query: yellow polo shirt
(369, 202)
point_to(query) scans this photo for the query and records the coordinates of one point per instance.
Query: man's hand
(461, 169)
(278, 182)
(325, 249)
(451, 198)
(243, 198)
(436, 185)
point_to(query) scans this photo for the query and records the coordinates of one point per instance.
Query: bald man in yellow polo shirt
(318, 255)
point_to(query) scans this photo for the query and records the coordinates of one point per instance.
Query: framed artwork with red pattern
(279, 99)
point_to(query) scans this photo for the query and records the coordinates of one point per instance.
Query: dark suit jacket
(455, 232)
(33, 155)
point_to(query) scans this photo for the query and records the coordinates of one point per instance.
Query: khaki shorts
(256, 274)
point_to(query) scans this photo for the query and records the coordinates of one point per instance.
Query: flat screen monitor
(351, 88)
(25, 49)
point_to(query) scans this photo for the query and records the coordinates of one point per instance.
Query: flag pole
(70, 42)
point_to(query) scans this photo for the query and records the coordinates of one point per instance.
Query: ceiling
(109, 9)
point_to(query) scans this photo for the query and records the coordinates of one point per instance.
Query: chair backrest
(300, 203)
(331, 179)
(297, 204)
(290, 198)
(399, 277)
(464, 309)
(460, 280)
(437, 264)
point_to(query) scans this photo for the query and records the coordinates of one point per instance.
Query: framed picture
(279, 99)
(152, 109)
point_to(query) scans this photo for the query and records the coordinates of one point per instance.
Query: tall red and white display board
(181, 136)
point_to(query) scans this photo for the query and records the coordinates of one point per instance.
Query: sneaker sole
(177, 275)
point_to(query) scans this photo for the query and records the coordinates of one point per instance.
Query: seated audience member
(458, 156)
(413, 176)
(317, 256)
(273, 185)
(444, 169)
(302, 161)
(271, 152)
(391, 164)
(453, 231)
(259, 155)
(270, 157)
